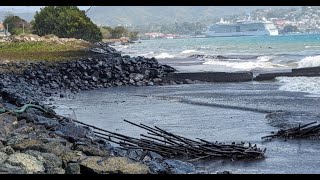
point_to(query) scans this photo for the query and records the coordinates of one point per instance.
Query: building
(3, 31)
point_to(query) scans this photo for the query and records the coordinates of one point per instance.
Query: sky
(30, 8)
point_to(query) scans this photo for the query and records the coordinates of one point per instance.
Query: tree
(65, 22)
(17, 25)
(106, 32)
(119, 32)
(290, 28)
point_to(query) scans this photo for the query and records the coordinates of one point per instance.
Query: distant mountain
(142, 15)
(28, 16)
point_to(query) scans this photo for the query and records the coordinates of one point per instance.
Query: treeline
(65, 22)
(118, 32)
(183, 28)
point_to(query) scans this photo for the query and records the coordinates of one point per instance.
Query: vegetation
(44, 51)
(65, 22)
(118, 32)
(290, 28)
(16, 25)
(176, 28)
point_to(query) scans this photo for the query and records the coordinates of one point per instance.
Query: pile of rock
(106, 68)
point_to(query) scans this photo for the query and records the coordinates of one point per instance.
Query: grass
(42, 51)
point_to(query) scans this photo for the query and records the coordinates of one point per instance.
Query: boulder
(96, 164)
(72, 168)
(8, 150)
(27, 162)
(27, 144)
(3, 157)
(55, 171)
(8, 169)
(6, 124)
(91, 150)
(179, 167)
(49, 160)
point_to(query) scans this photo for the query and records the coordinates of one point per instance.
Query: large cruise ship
(242, 28)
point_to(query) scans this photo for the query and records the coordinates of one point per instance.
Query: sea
(223, 112)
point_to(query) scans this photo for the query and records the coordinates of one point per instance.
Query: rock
(187, 81)
(138, 77)
(1, 145)
(72, 168)
(8, 169)
(72, 131)
(150, 83)
(49, 160)
(27, 144)
(56, 148)
(6, 124)
(224, 172)
(3, 157)
(55, 171)
(8, 150)
(91, 150)
(179, 167)
(16, 139)
(27, 162)
(71, 156)
(157, 167)
(96, 164)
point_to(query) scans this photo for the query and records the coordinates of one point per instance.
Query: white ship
(242, 28)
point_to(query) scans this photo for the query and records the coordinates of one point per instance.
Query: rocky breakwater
(105, 68)
(308, 72)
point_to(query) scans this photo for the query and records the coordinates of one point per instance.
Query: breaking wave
(301, 84)
(310, 61)
(164, 55)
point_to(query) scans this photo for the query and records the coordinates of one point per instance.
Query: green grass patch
(42, 51)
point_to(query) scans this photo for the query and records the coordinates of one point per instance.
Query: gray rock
(27, 144)
(8, 169)
(157, 167)
(27, 162)
(179, 167)
(91, 150)
(3, 157)
(138, 77)
(16, 139)
(72, 168)
(96, 164)
(55, 171)
(49, 160)
(8, 150)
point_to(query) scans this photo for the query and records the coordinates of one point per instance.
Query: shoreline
(39, 137)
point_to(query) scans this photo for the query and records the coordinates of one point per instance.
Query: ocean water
(258, 54)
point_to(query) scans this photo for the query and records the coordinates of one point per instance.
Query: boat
(245, 27)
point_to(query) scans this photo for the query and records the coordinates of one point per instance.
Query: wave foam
(189, 51)
(300, 84)
(248, 65)
(310, 61)
(265, 58)
(164, 55)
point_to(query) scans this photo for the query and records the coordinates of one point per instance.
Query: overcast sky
(30, 8)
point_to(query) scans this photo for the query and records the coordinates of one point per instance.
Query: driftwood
(173, 146)
(310, 130)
